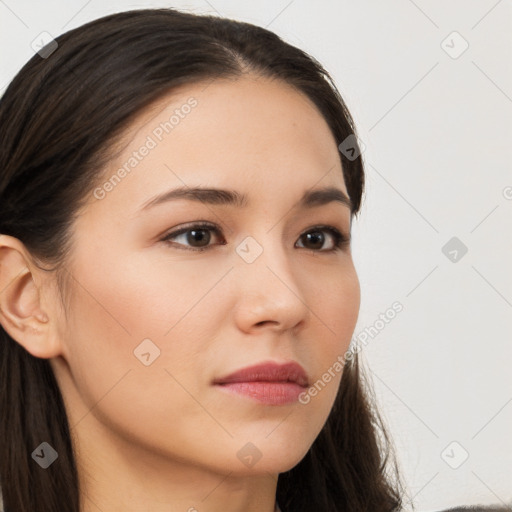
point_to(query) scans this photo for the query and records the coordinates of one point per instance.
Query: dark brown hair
(60, 117)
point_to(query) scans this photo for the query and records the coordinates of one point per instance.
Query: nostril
(263, 322)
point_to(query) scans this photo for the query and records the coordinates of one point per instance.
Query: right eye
(199, 233)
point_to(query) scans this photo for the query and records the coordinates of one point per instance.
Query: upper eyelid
(219, 230)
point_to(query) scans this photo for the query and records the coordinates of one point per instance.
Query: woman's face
(151, 324)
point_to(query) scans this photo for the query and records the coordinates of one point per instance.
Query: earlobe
(21, 312)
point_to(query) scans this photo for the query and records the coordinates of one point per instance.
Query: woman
(178, 291)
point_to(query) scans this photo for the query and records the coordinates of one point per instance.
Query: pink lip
(270, 383)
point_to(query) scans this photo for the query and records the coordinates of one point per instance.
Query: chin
(271, 458)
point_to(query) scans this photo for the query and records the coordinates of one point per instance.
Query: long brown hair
(60, 118)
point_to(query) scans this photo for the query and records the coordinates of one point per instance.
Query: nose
(268, 293)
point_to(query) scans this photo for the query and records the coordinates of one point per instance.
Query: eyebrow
(218, 196)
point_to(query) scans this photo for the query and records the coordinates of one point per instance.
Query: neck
(116, 475)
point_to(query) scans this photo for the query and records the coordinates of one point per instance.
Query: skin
(162, 437)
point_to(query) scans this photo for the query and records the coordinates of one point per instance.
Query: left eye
(199, 236)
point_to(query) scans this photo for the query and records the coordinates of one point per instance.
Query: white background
(437, 130)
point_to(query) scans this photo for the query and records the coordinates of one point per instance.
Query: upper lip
(268, 372)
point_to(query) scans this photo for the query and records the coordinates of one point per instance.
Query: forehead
(253, 134)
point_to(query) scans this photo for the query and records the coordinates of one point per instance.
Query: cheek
(135, 300)
(335, 309)
(340, 311)
(345, 317)
(123, 319)
(124, 316)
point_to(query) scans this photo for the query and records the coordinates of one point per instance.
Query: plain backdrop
(430, 87)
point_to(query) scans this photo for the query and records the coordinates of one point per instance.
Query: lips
(268, 372)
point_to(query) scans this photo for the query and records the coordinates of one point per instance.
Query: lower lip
(270, 393)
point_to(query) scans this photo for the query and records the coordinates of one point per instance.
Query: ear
(22, 314)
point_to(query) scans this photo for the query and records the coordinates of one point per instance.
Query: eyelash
(340, 239)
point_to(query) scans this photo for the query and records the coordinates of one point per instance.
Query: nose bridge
(264, 251)
(268, 287)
